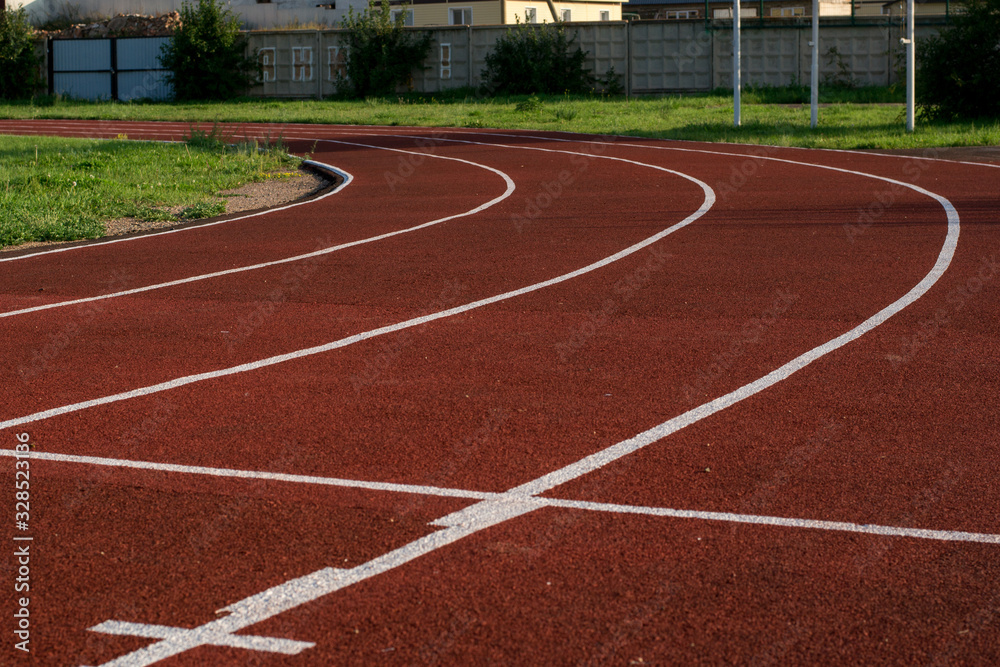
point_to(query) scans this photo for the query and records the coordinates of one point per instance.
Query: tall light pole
(736, 62)
(910, 66)
(814, 78)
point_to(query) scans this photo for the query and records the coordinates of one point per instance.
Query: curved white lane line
(325, 251)
(516, 502)
(381, 331)
(319, 165)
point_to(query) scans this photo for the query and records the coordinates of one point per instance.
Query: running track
(519, 398)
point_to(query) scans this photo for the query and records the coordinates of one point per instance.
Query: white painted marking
(381, 331)
(520, 500)
(297, 258)
(809, 524)
(257, 475)
(513, 506)
(196, 638)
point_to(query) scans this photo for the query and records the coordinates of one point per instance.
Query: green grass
(852, 118)
(55, 189)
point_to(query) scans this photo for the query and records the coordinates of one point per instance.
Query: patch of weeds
(210, 140)
(566, 113)
(529, 105)
(205, 209)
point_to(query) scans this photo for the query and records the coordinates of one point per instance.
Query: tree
(381, 54)
(207, 55)
(958, 72)
(18, 62)
(536, 59)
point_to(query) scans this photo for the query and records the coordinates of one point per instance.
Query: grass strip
(57, 189)
(850, 118)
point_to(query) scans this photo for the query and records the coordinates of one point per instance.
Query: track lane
(533, 619)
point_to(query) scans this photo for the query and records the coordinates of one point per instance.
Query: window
(605, 16)
(336, 61)
(407, 19)
(265, 58)
(302, 58)
(565, 16)
(329, 5)
(683, 14)
(460, 16)
(446, 61)
(530, 15)
(788, 11)
(745, 13)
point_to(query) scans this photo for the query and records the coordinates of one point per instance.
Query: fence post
(628, 59)
(317, 65)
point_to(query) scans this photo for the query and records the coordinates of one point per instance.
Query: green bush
(381, 54)
(958, 72)
(207, 55)
(18, 63)
(536, 59)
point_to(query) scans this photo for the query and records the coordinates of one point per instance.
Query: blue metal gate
(117, 68)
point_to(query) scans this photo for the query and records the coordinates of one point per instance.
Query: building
(255, 14)
(423, 13)
(714, 9)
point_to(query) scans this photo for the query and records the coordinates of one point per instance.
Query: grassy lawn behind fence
(850, 118)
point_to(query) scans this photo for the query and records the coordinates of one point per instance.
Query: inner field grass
(849, 119)
(56, 189)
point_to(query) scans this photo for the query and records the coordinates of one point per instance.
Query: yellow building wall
(483, 13)
(579, 11)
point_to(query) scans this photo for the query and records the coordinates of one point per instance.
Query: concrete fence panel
(670, 56)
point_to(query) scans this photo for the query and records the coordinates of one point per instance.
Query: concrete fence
(649, 57)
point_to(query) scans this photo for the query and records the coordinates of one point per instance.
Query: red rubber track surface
(895, 429)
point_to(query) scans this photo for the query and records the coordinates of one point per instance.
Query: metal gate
(116, 68)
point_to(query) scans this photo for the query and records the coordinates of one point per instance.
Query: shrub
(381, 54)
(535, 59)
(18, 63)
(207, 55)
(958, 73)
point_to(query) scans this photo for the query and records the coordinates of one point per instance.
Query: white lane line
(297, 258)
(319, 165)
(257, 475)
(785, 522)
(249, 642)
(709, 200)
(521, 500)
(467, 494)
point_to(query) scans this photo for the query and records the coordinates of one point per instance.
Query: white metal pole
(910, 66)
(736, 62)
(814, 77)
